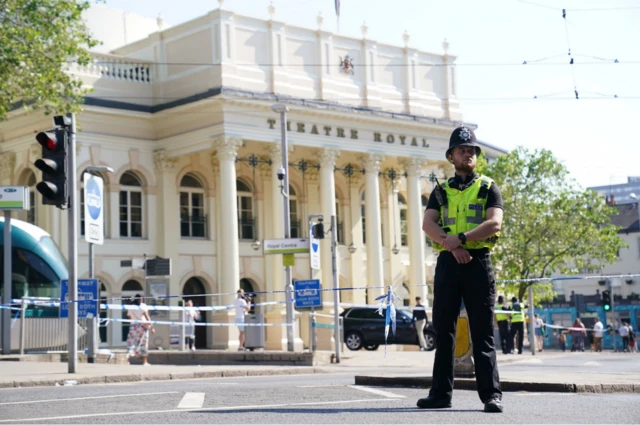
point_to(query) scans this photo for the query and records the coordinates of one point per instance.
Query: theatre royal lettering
(327, 130)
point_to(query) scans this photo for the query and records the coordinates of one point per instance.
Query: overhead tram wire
(594, 9)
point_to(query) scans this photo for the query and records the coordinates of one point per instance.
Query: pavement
(548, 371)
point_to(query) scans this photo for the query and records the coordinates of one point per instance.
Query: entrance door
(193, 290)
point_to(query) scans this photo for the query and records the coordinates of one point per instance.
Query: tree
(38, 38)
(550, 223)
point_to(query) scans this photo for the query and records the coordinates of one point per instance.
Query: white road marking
(592, 364)
(376, 391)
(213, 409)
(319, 386)
(86, 398)
(191, 401)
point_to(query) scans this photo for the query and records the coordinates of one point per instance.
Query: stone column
(228, 256)
(417, 272)
(167, 212)
(373, 232)
(327, 158)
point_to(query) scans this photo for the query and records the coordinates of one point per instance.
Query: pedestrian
(517, 326)
(503, 324)
(578, 332)
(463, 218)
(241, 307)
(138, 337)
(191, 316)
(598, 334)
(562, 338)
(633, 343)
(419, 320)
(624, 334)
(538, 325)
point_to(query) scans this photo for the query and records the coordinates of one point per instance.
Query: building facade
(184, 118)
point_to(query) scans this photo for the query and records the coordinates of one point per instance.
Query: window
(31, 214)
(246, 219)
(296, 231)
(402, 206)
(192, 217)
(130, 206)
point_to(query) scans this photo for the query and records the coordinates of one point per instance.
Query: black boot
(433, 403)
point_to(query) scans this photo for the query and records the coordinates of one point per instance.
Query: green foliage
(38, 39)
(550, 224)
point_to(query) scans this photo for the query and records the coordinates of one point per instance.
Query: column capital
(227, 147)
(328, 157)
(7, 164)
(163, 162)
(372, 162)
(413, 166)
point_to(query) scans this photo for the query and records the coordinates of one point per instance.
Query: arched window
(130, 206)
(31, 182)
(246, 219)
(402, 206)
(130, 289)
(296, 230)
(192, 213)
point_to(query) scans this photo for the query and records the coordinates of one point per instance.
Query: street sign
(14, 198)
(314, 251)
(285, 246)
(307, 294)
(93, 209)
(87, 291)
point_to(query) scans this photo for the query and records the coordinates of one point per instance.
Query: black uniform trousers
(475, 284)
(517, 327)
(503, 327)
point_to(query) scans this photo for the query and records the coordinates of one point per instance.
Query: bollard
(92, 334)
(23, 310)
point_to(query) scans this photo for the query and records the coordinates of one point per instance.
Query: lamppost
(392, 175)
(349, 171)
(283, 176)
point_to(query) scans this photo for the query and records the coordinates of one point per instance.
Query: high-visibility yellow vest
(461, 211)
(501, 316)
(518, 314)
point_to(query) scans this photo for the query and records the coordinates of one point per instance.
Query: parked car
(364, 327)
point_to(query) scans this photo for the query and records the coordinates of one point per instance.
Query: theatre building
(184, 117)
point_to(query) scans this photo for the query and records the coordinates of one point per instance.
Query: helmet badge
(465, 134)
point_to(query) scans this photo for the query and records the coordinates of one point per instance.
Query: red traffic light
(48, 141)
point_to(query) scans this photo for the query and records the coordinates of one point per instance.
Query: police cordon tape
(102, 299)
(163, 322)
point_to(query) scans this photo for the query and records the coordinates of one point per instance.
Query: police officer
(517, 325)
(503, 324)
(463, 218)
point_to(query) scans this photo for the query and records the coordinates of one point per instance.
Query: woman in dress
(138, 338)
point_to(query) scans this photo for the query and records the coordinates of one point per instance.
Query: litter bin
(254, 335)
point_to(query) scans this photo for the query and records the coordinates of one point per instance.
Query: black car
(364, 327)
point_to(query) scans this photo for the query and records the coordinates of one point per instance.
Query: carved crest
(346, 65)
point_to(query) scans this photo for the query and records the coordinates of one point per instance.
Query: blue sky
(597, 139)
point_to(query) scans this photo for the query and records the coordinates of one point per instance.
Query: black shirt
(419, 314)
(494, 198)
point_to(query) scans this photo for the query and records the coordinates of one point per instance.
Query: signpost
(307, 294)
(314, 251)
(87, 298)
(93, 209)
(11, 198)
(285, 246)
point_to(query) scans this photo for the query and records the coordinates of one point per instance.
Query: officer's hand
(461, 255)
(450, 242)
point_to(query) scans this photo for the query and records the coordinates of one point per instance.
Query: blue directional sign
(87, 291)
(307, 294)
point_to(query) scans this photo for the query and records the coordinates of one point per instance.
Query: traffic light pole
(72, 215)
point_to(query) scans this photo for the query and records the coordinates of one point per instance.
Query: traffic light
(606, 300)
(53, 165)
